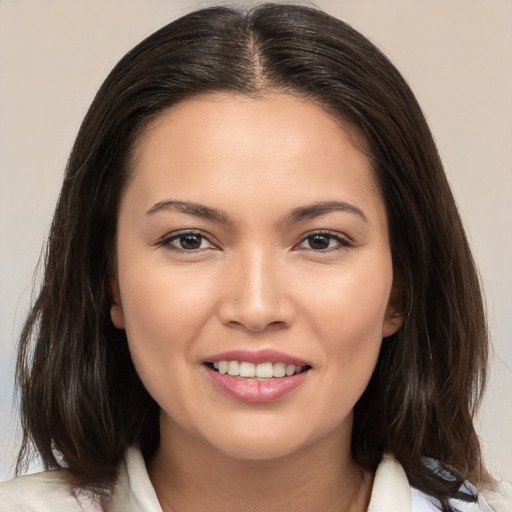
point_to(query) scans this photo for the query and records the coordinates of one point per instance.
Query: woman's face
(253, 243)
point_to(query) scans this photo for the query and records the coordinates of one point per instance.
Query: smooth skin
(253, 224)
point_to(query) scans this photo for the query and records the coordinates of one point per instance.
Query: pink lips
(253, 390)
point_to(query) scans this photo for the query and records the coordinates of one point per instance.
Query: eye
(186, 241)
(324, 241)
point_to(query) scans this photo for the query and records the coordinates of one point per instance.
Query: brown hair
(82, 402)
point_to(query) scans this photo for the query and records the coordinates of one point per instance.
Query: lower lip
(255, 391)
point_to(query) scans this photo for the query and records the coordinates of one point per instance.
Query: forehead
(273, 144)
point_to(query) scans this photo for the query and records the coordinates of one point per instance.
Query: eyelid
(166, 240)
(344, 241)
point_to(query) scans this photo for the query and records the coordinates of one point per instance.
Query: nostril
(256, 326)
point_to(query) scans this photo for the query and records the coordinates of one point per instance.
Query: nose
(255, 295)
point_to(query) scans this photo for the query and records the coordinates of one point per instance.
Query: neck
(189, 474)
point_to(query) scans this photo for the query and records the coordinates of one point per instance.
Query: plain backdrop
(456, 54)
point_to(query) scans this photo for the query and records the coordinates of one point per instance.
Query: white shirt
(50, 492)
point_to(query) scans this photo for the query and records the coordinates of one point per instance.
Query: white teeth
(265, 370)
(258, 371)
(233, 368)
(290, 369)
(279, 370)
(247, 370)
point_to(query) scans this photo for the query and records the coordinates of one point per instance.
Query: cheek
(154, 298)
(347, 315)
(164, 313)
(349, 305)
(164, 319)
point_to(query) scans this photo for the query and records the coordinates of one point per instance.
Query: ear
(394, 317)
(116, 309)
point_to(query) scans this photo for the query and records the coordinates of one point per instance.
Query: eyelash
(342, 241)
(167, 241)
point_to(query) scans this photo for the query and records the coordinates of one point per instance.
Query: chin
(263, 452)
(265, 443)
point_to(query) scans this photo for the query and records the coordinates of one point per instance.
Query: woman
(258, 292)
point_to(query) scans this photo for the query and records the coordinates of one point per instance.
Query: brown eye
(190, 241)
(324, 242)
(319, 242)
(186, 241)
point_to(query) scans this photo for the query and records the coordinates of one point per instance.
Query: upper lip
(257, 357)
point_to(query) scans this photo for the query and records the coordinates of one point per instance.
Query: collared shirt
(50, 492)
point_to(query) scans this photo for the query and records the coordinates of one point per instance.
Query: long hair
(82, 402)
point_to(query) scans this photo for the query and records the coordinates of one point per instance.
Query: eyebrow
(298, 214)
(323, 208)
(191, 208)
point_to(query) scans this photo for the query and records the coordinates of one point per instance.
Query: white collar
(133, 491)
(391, 491)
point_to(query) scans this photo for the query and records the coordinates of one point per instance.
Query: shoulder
(393, 493)
(47, 491)
(51, 491)
(499, 499)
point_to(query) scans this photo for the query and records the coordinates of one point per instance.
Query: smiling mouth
(261, 371)
(261, 381)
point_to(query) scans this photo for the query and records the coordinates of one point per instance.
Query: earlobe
(116, 309)
(392, 323)
(394, 317)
